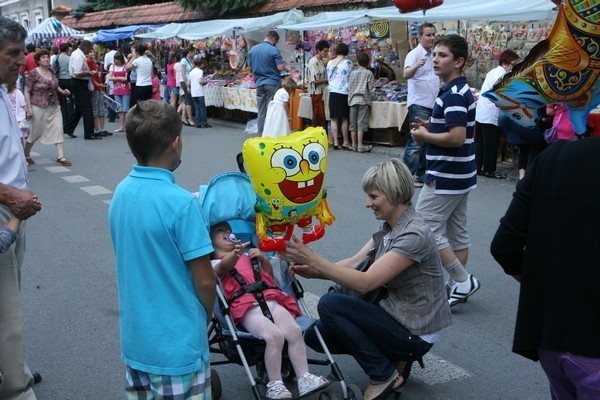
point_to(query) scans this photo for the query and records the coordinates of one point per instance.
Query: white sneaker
(460, 291)
(277, 390)
(309, 383)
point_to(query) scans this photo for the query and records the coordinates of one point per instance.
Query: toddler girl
(17, 104)
(244, 311)
(277, 121)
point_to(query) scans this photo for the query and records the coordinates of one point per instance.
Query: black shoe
(37, 378)
(71, 135)
(107, 133)
(93, 137)
(101, 134)
(207, 126)
(199, 126)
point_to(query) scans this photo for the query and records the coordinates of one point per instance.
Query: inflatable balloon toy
(287, 174)
(563, 68)
(407, 6)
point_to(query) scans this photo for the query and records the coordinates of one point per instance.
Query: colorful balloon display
(407, 6)
(287, 174)
(563, 68)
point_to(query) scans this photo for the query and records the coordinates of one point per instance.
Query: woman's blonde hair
(393, 179)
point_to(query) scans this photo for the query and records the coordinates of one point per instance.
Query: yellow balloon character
(287, 174)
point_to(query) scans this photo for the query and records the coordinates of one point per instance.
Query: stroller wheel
(215, 383)
(261, 373)
(328, 395)
(287, 370)
(354, 392)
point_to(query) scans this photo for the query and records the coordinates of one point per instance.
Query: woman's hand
(297, 252)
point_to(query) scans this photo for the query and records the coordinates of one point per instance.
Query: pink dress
(243, 303)
(156, 85)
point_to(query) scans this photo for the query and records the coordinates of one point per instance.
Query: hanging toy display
(287, 174)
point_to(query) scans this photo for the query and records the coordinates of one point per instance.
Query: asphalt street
(69, 289)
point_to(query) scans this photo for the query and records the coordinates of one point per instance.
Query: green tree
(100, 5)
(222, 7)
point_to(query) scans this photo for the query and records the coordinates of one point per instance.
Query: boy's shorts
(142, 385)
(359, 118)
(98, 106)
(446, 215)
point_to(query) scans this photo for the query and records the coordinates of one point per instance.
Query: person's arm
(412, 65)
(205, 283)
(22, 203)
(286, 107)
(230, 259)
(302, 255)
(455, 137)
(28, 109)
(183, 74)
(383, 270)
(130, 59)
(79, 65)
(14, 224)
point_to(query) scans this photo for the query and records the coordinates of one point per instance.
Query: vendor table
(231, 98)
(383, 114)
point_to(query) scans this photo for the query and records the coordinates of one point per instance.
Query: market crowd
(408, 255)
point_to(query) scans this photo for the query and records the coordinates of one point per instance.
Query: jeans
(571, 377)
(200, 116)
(264, 95)
(366, 332)
(414, 153)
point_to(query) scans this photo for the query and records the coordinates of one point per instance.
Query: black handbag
(374, 296)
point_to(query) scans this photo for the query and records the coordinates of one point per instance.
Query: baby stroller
(229, 197)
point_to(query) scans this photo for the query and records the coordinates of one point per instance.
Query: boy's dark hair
(30, 47)
(341, 49)
(457, 45)
(64, 47)
(120, 57)
(322, 44)
(507, 57)
(140, 49)
(363, 59)
(151, 126)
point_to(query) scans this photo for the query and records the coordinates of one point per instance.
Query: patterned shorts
(144, 386)
(98, 107)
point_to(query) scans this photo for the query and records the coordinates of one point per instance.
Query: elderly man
(15, 199)
(266, 65)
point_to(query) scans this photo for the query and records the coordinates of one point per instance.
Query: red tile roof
(273, 6)
(139, 15)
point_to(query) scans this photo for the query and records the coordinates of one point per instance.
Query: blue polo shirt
(453, 169)
(156, 226)
(264, 59)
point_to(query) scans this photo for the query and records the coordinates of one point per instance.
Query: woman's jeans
(366, 332)
(414, 153)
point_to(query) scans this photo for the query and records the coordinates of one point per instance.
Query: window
(38, 16)
(24, 19)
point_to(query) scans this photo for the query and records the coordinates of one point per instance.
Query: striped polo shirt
(453, 169)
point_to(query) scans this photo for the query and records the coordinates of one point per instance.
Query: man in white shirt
(15, 199)
(81, 75)
(487, 132)
(423, 88)
(109, 57)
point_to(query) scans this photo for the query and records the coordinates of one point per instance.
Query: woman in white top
(338, 75)
(143, 66)
(277, 121)
(186, 66)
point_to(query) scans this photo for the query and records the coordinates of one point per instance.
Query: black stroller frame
(242, 348)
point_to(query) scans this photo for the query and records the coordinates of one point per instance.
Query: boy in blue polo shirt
(165, 279)
(451, 171)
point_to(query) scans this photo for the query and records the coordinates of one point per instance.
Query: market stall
(51, 28)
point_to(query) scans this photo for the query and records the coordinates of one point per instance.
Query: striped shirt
(453, 169)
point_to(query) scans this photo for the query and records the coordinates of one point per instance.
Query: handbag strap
(559, 117)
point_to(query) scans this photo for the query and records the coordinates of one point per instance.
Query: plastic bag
(252, 127)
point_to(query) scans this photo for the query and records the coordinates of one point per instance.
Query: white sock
(457, 272)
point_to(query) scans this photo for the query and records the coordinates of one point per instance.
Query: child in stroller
(271, 317)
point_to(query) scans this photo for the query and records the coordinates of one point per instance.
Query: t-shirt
(156, 228)
(360, 85)
(281, 96)
(63, 66)
(486, 112)
(143, 68)
(195, 78)
(424, 86)
(452, 168)
(264, 59)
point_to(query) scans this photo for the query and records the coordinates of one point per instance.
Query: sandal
(349, 148)
(337, 147)
(63, 161)
(382, 391)
(29, 159)
(365, 149)
(494, 175)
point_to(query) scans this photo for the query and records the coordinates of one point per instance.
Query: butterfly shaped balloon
(563, 68)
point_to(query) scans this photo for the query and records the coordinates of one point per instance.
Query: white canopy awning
(51, 28)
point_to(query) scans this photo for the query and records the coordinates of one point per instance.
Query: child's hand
(239, 247)
(256, 253)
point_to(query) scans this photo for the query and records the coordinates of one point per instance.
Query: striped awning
(52, 28)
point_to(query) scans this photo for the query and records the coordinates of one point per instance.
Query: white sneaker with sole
(309, 383)
(277, 390)
(460, 291)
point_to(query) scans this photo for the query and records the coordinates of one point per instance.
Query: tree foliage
(222, 7)
(100, 5)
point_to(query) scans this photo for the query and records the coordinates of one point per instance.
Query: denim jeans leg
(197, 110)
(414, 153)
(366, 332)
(202, 108)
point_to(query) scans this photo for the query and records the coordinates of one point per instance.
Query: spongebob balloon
(287, 174)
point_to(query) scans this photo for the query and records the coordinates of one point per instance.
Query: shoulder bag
(550, 134)
(374, 296)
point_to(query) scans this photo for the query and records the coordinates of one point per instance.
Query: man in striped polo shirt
(451, 171)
